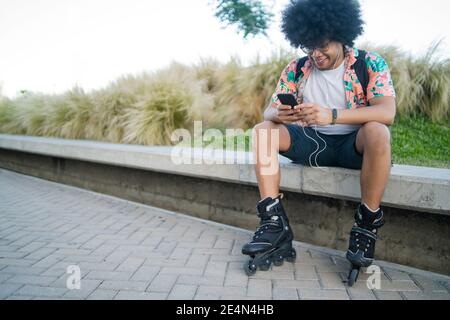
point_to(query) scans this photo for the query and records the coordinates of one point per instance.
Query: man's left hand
(311, 113)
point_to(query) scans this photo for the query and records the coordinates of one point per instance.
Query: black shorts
(339, 150)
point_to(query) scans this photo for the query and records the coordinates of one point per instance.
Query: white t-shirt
(326, 88)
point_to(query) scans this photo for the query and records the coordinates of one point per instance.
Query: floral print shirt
(380, 81)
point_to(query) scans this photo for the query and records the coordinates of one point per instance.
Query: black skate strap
(271, 210)
(366, 220)
(365, 232)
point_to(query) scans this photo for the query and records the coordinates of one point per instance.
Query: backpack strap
(360, 68)
(298, 72)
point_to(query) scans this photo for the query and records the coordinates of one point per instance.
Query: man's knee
(266, 124)
(275, 132)
(269, 127)
(376, 135)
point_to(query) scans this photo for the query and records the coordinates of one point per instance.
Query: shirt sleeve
(380, 80)
(286, 83)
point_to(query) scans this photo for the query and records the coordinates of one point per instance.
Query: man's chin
(323, 64)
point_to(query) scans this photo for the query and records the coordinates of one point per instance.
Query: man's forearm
(379, 113)
(270, 114)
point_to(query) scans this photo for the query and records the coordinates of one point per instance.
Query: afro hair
(310, 23)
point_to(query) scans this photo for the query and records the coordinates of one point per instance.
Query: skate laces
(267, 226)
(363, 241)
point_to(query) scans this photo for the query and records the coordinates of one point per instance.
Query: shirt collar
(350, 59)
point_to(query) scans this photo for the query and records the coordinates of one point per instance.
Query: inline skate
(363, 237)
(272, 241)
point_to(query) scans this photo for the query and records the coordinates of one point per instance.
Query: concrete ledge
(416, 188)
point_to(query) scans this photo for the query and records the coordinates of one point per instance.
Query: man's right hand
(287, 114)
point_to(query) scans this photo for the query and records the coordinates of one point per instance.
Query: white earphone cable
(315, 129)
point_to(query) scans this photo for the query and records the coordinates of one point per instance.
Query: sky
(50, 46)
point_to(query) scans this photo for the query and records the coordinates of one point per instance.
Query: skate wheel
(292, 257)
(278, 261)
(250, 268)
(352, 277)
(265, 266)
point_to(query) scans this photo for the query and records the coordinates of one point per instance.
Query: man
(340, 120)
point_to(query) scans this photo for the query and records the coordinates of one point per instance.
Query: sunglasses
(310, 50)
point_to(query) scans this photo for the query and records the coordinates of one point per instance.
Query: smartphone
(287, 99)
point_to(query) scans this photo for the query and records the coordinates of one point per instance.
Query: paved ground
(125, 250)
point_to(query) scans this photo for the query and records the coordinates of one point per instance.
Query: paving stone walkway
(125, 250)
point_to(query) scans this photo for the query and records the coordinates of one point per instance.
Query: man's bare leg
(373, 141)
(268, 139)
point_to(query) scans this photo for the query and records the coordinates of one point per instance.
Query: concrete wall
(409, 187)
(418, 239)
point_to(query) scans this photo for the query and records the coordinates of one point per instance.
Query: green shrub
(422, 84)
(172, 99)
(9, 117)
